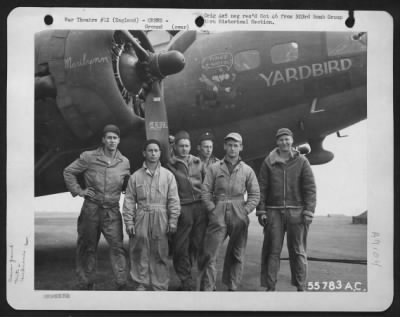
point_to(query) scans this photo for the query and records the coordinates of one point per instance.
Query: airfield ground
(329, 238)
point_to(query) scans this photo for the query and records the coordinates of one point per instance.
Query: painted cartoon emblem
(220, 60)
(218, 79)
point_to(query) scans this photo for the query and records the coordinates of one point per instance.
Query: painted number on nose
(158, 125)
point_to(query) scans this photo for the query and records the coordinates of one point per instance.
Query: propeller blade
(156, 120)
(141, 53)
(150, 69)
(182, 41)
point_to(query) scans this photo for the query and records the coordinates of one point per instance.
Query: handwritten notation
(17, 261)
(376, 242)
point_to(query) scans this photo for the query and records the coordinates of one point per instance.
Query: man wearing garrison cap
(104, 172)
(287, 204)
(188, 239)
(205, 148)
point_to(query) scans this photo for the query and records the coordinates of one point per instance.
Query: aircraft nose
(168, 63)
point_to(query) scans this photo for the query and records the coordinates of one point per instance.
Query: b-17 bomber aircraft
(251, 82)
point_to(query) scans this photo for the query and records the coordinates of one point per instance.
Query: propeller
(150, 68)
(182, 41)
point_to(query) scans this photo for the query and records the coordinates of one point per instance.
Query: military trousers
(227, 219)
(281, 221)
(188, 240)
(93, 220)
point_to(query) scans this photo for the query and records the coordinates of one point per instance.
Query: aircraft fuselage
(312, 93)
(249, 82)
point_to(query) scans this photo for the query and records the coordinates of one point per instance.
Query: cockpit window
(284, 53)
(246, 60)
(343, 43)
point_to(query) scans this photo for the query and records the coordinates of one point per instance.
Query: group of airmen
(188, 208)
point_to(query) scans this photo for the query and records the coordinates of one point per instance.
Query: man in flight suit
(205, 149)
(287, 204)
(151, 210)
(224, 187)
(188, 240)
(104, 171)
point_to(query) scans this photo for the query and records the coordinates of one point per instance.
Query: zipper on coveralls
(105, 180)
(284, 188)
(188, 178)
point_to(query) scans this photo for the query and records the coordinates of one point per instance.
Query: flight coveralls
(287, 192)
(99, 214)
(151, 205)
(223, 195)
(188, 239)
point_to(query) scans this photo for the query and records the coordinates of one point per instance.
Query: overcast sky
(341, 184)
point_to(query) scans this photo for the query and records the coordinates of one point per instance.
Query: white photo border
(23, 23)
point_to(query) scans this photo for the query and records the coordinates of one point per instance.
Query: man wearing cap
(188, 239)
(223, 191)
(205, 148)
(104, 171)
(171, 141)
(151, 210)
(287, 204)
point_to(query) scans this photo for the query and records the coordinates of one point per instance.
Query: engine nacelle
(318, 154)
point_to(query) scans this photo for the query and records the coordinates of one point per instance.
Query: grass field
(329, 238)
